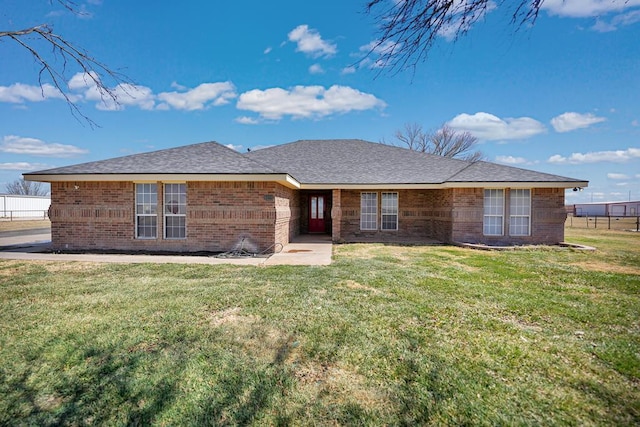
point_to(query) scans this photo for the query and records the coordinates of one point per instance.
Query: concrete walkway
(305, 250)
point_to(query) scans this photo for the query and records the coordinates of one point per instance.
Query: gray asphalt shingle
(203, 158)
(337, 161)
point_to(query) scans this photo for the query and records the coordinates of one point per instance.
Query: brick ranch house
(207, 197)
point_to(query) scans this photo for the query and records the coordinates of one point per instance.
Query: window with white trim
(146, 211)
(389, 218)
(493, 220)
(520, 212)
(368, 211)
(175, 211)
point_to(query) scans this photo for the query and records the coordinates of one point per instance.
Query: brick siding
(547, 218)
(449, 215)
(423, 216)
(220, 215)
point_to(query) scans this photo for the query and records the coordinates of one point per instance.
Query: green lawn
(387, 335)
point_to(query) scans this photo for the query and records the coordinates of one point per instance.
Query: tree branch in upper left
(56, 56)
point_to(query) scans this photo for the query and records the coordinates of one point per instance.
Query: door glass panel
(314, 207)
(320, 207)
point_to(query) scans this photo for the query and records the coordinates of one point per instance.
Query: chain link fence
(622, 223)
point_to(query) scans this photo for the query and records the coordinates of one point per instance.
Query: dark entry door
(316, 214)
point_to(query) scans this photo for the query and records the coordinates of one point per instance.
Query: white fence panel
(16, 206)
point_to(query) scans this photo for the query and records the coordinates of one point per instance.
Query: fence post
(596, 222)
(638, 223)
(609, 222)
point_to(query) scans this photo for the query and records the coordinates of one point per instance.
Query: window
(146, 211)
(389, 218)
(175, 211)
(519, 212)
(493, 212)
(368, 211)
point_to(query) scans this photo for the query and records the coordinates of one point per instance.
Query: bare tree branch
(446, 142)
(413, 26)
(25, 188)
(65, 55)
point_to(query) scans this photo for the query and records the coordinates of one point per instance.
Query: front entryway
(317, 215)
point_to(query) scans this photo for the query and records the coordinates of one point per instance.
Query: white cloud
(635, 123)
(622, 20)
(586, 8)
(348, 70)
(307, 101)
(268, 50)
(129, 95)
(19, 93)
(316, 69)
(310, 42)
(618, 156)
(511, 160)
(234, 147)
(24, 166)
(617, 176)
(486, 126)
(461, 22)
(245, 120)
(571, 121)
(20, 145)
(202, 96)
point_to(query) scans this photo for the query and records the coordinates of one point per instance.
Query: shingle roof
(351, 161)
(492, 172)
(330, 162)
(203, 158)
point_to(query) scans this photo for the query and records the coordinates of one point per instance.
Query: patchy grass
(387, 335)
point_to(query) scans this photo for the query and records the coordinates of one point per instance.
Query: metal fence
(15, 215)
(604, 222)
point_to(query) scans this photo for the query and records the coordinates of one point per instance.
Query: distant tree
(26, 188)
(57, 57)
(407, 29)
(446, 142)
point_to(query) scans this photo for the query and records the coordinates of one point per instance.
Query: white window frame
(494, 206)
(175, 207)
(146, 207)
(368, 211)
(519, 210)
(388, 210)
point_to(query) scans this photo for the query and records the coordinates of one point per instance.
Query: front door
(316, 214)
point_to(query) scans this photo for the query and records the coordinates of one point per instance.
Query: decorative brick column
(336, 216)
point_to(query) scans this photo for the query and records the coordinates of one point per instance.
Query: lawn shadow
(87, 386)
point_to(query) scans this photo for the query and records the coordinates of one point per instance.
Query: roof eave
(281, 178)
(517, 184)
(433, 186)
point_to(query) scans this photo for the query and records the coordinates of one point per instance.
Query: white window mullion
(368, 211)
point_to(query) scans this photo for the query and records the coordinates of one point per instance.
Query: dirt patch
(607, 268)
(352, 284)
(343, 384)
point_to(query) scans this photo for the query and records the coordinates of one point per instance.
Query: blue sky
(562, 96)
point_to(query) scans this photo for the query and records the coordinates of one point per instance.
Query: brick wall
(287, 202)
(451, 215)
(423, 216)
(101, 215)
(547, 218)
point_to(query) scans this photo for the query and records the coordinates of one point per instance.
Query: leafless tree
(26, 188)
(407, 29)
(57, 57)
(446, 142)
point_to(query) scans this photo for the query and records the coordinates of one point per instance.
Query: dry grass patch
(605, 267)
(24, 224)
